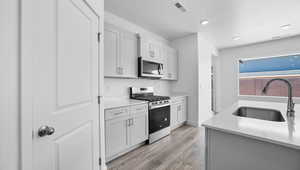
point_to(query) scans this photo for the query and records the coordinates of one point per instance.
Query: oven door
(150, 69)
(159, 118)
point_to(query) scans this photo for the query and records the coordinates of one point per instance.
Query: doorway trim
(26, 84)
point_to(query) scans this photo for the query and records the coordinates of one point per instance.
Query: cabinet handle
(179, 108)
(128, 122)
(118, 113)
(121, 70)
(151, 54)
(131, 120)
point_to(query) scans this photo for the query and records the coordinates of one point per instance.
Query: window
(255, 73)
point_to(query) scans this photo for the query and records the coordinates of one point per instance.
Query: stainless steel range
(159, 112)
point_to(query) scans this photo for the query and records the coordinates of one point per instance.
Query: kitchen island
(241, 143)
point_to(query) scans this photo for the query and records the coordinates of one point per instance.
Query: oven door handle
(159, 106)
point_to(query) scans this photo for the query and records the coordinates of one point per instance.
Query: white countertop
(178, 94)
(121, 102)
(283, 133)
(114, 102)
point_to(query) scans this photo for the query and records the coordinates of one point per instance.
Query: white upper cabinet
(120, 52)
(170, 61)
(111, 51)
(122, 49)
(150, 49)
(129, 56)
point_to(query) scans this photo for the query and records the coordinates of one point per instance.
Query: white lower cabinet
(178, 111)
(117, 138)
(125, 128)
(139, 129)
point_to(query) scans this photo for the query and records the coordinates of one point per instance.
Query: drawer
(115, 113)
(139, 108)
(179, 99)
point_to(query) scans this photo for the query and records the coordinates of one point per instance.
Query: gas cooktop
(146, 93)
(151, 98)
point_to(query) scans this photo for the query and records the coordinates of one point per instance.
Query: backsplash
(115, 87)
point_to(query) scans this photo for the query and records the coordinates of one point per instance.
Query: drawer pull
(139, 109)
(118, 113)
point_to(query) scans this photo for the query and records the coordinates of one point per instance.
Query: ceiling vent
(180, 6)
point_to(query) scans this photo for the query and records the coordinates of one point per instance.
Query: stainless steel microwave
(149, 69)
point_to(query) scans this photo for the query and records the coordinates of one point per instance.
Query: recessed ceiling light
(204, 22)
(236, 38)
(285, 27)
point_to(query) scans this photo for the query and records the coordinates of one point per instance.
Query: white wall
(228, 70)
(206, 50)
(114, 87)
(195, 52)
(188, 73)
(9, 114)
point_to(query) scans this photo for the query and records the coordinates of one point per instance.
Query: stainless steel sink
(258, 113)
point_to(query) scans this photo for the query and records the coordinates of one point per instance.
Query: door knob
(45, 131)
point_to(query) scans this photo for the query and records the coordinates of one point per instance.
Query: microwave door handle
(161, 68)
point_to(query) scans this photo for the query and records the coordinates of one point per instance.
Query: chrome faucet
(290, 105)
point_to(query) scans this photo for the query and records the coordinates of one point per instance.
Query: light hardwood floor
(182, 150)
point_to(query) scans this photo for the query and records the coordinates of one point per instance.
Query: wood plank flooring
(182, 150)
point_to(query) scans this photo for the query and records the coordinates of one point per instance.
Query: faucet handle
(293, 104)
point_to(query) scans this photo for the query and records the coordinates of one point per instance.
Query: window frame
(260, 97)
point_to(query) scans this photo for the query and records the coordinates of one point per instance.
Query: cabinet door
(180, 114)
(116, 135)
(111, 51)
(150, 49)
(181, 111)
(184, 109)
(129, 56)
(172, 64)
(165, 61)
(174, 114)
(139, 128)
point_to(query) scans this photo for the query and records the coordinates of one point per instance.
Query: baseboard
(177, 126)
(192, 123)
(103, 167)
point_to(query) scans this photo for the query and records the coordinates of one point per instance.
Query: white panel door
(116, 136)
(111, 51)
(129, 54)
(139, 128)
(65, 86)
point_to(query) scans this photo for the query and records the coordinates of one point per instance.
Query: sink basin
(258, 113)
